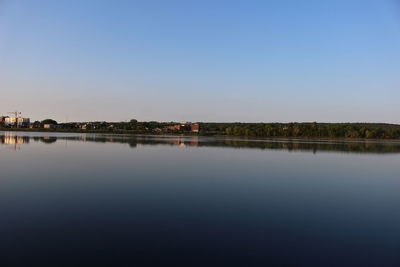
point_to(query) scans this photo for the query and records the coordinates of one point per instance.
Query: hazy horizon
(220, 61)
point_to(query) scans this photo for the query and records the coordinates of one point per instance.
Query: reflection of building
(183, 142)
(194, 141)
(12, 139)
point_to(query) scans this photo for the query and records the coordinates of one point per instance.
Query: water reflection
(113, 199)
(15, 139)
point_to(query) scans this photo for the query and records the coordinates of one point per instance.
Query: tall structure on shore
(19, 122)
(11, 121)
(16, 120)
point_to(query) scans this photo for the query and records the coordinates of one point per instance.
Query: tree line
(307, 129)
(331, 130)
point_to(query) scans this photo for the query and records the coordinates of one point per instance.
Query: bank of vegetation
(295, 130)
(327, 130)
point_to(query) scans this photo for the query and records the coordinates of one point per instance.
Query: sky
(208, 60)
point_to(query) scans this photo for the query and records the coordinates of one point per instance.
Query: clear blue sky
(282, 60)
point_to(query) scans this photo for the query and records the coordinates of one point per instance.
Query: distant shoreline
(137, 133)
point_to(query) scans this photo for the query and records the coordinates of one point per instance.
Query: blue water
(102, 200)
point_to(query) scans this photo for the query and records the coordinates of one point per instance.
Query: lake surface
(104, 200)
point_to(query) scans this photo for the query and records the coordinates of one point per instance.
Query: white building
(20, 122)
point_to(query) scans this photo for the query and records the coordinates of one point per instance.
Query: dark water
(96, 200)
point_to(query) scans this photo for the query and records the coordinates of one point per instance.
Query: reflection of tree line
(195, 141)
(298, 145)
(133, 141)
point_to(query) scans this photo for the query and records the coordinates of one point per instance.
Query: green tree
(49, 121)
(133, 124)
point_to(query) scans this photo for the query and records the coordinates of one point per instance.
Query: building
(49, 126)
(195, 127)
(2, 120)
(177, 127)
(184, 127)
(88, 126)
(35, 124)
(19, 122)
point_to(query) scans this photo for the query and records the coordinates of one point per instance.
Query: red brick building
(195, 127)
(185, 127)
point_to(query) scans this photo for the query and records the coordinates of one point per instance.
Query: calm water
(98, 200)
